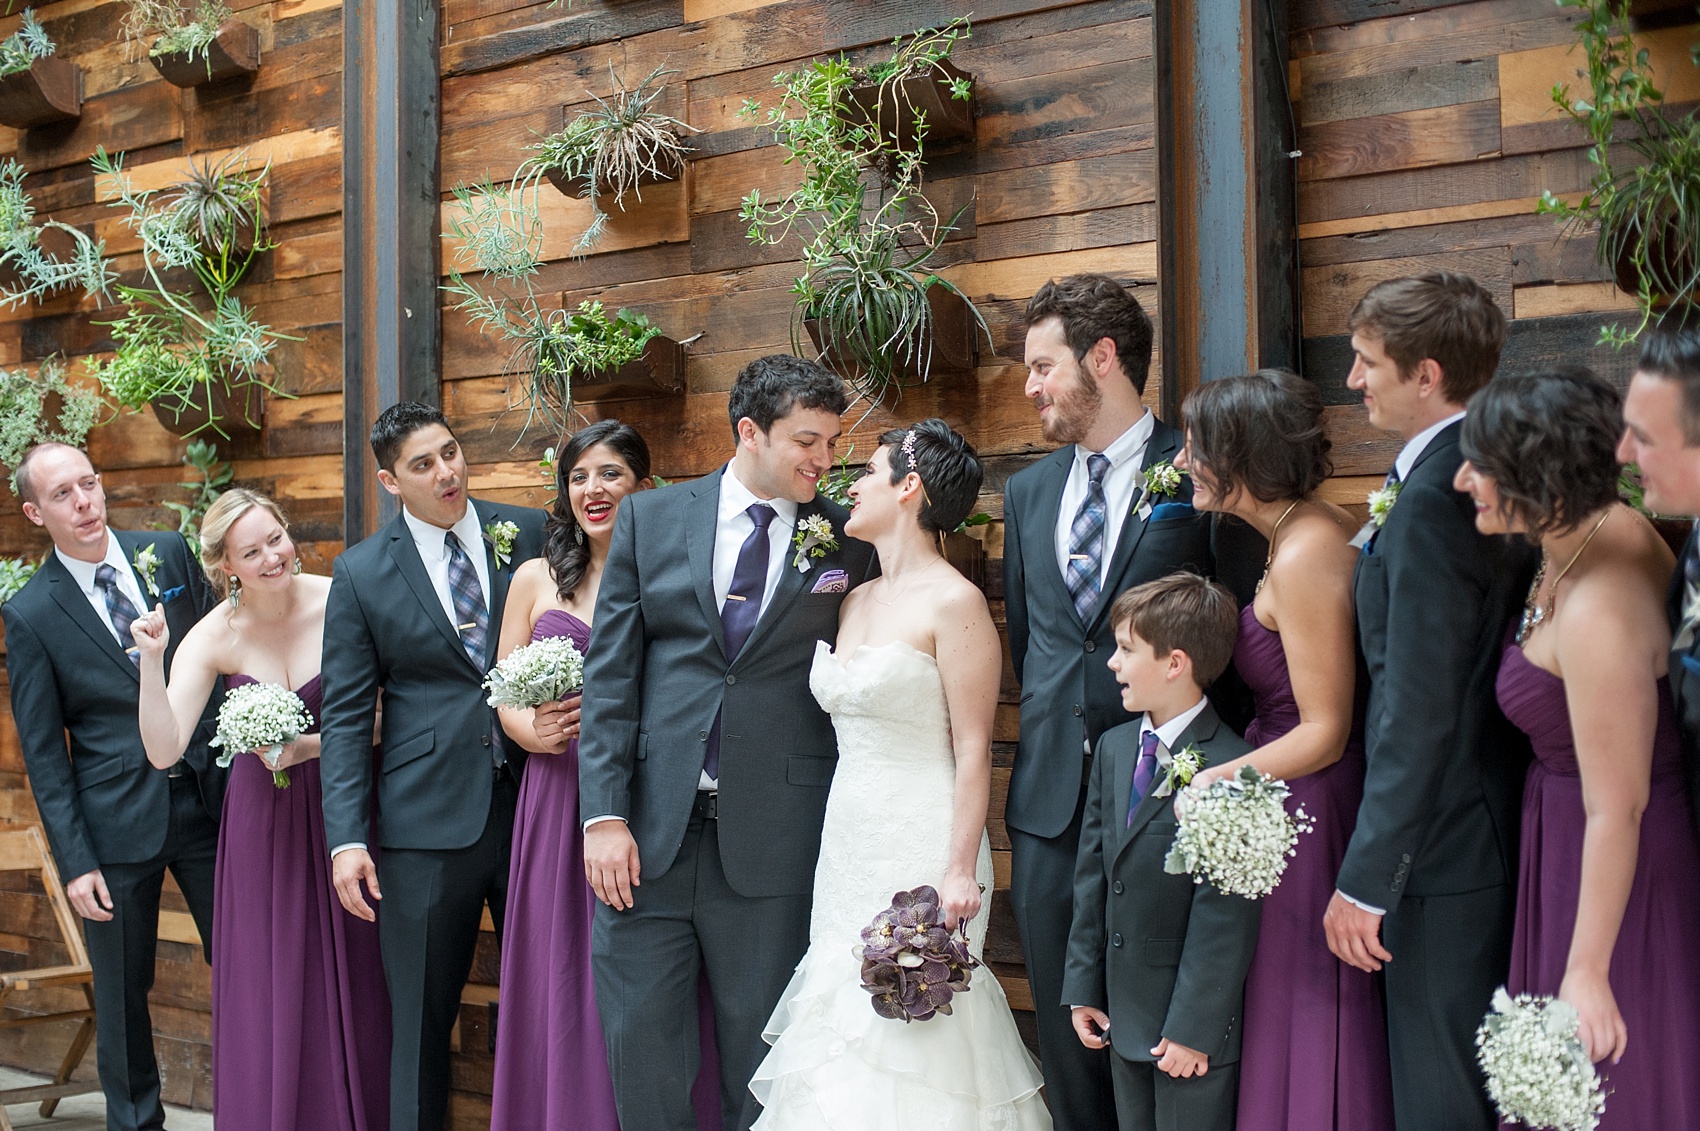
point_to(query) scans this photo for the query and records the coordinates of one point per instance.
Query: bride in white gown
(911, 689)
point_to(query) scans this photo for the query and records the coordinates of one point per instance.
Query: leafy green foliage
(212, 476)
(39, 274)
(36, 408)
(1647, 208)
(868, 230)
(24, 46)
(14, 574)
(179, 32)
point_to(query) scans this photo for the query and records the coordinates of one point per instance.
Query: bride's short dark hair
(949, 468)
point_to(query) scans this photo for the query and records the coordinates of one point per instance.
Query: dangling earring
(235, 591)
(578, 534)
(295, 570)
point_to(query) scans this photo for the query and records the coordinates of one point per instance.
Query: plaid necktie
(738, 616)
(472, 619)
(1086, 541)
(1144, 772)
(119, 610)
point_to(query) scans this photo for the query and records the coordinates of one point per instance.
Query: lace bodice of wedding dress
(835, 1064)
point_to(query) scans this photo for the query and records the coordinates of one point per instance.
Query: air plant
(35, 273)
(41, 407)
(20, 50)
(177, 32)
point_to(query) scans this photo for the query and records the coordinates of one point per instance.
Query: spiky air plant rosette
(911, 964)
(544, 671)
(261, 717)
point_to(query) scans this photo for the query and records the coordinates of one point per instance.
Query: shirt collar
(83, 572)
(429, 537)
(735, 499)
(1414, 448)
(1170, 732)
(1127, 446)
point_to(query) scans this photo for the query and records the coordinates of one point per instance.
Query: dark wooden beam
(1229, 280)
(391, 332)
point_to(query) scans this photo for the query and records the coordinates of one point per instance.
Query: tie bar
(467, 625)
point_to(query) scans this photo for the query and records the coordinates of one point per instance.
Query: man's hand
(88, 895)
(1354, 935)
(1092, 1026)
(348, 868)
(611, 862)
(1179, 1061)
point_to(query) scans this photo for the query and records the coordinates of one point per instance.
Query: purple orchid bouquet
(910, 964)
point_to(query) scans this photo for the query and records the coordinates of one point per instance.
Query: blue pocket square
(1171, 510)
(172, 594)
(1691, 665)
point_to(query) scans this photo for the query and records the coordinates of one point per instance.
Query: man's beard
(1073, 413)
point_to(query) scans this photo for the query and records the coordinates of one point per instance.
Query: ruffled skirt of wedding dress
(836, 1064)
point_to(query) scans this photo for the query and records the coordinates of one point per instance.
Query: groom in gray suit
(704, 761)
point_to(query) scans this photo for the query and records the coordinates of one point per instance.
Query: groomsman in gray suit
(704, 760)
(1661, 438)
(1079, 528)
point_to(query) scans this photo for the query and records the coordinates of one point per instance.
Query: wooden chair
(25, 850)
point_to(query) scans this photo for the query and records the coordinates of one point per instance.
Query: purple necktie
(1144, 773)
(738, 616)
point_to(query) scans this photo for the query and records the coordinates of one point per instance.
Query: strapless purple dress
(1314, 1052)
(300, 1015)
(551, 1059)
(1655, 974)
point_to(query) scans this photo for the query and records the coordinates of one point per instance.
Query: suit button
(1406, 858)
(1091, 645)
(1116, 887)
(486, 740)
(1116, 939)
(1077, 710)
(702, 736)
(731, 679)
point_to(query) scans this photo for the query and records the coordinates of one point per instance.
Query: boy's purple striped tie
(1144, 772)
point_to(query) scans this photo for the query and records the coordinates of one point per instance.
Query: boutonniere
(147, 564)
(1381, 502)
(814, 538)
(501, 537)
(1182, 767)
(1162, 478)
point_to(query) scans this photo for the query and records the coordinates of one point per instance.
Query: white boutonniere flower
(1161, 480)
(1182, 766)
(147, 564)
(814, 539)
(501, 537)
(1381, 502)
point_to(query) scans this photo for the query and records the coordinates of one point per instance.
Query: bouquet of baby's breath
(1236, 833)
(544, 671)
(260, 717)
(1538, 1071)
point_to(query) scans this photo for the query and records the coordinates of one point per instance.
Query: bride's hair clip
(909, 451)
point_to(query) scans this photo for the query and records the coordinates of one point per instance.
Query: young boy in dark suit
(1157, 963)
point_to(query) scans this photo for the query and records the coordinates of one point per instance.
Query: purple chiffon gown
(300, 1015)
(551, 1059)
(1655, 976)
(1314, 1052)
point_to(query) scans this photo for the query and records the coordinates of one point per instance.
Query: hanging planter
(939, 90)
(51, 90)
(667, 167)
(657, 371)
(233, 51)
(212, 407)
(949, 341)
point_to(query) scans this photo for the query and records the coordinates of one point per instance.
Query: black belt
(707, 805)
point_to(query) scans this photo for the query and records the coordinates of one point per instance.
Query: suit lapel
(406, 556)
(1053, 478)
(702, 520)
(500, 575)
(131, 543)
(72, 601)
(1201, 730)
(1165, 442)
(791, 580)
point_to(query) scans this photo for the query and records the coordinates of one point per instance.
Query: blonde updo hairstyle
(226, 510)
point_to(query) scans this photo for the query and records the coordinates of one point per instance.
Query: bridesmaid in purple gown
(1315, 1044)
(551, 1059)
(300, 1014)
(1608, 890)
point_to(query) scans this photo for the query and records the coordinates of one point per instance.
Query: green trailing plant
(20, 50)
(174, 345)
(616, 148)
(32, 272)
(212, 476)
(15, 574)
(868, 231)
(42, 407)
(501, 238)
(178, 29)
(1645, 191)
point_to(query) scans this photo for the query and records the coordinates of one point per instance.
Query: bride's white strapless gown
(835, 1063)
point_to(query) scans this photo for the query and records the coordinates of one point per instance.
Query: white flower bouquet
(260, 717)
(544, 671)
(1236, 833)
(1538, 1071)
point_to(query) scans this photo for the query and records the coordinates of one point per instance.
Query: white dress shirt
(1126, 454)
(83, 573)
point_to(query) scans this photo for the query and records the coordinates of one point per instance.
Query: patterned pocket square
(831, 581)
(1172, 510)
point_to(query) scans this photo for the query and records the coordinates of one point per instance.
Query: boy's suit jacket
(1162, 955)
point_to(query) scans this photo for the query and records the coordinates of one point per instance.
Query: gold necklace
(1534, 612)
(1270, 557)
(906, 584)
